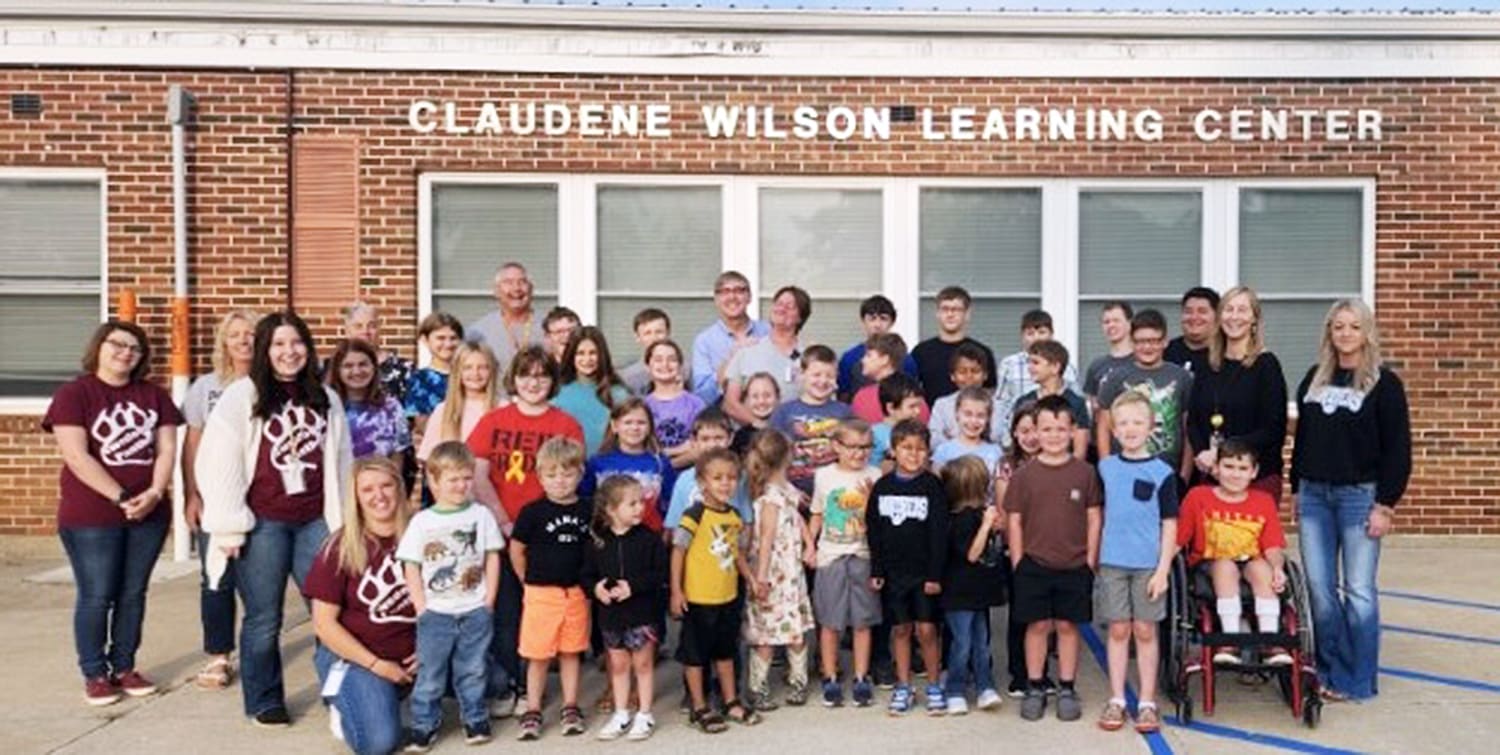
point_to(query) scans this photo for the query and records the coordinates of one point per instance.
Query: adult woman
(362, 322)
(116, 433)
(777, 354)
(234, 344)
(362, 613)
(377, 423)
(590, 385)
(271, 468)
(1241, 394)
(1350, 465)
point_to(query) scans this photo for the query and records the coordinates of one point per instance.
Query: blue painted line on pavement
(1440, 635)
(1446, 681)
(1154, 740)
(1255, 737)
(1403, 595)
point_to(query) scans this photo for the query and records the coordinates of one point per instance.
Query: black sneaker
(885, 677)
(1049, 687)
(1017, 689)
(478, 734)
(419, 741)
(273, 718)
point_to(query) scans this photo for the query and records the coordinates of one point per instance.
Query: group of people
(519, 501)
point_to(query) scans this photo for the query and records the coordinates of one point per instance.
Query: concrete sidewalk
(1441, 692)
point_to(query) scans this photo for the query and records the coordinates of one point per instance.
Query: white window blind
(829, 242)
(475, 229)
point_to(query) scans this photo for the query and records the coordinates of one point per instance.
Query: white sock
(1229, 614)
(1268, 614)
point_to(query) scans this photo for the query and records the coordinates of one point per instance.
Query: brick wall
(1437, 171)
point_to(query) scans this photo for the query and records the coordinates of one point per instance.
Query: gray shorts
(842, 598)
(1120, 595)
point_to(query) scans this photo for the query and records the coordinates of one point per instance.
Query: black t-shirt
(972, 585)
(555, 536)
(1186, 357)
(1252, 402)
(933, 356)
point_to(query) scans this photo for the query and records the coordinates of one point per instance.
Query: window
(476, 228)
(51, 245)
(829, 242)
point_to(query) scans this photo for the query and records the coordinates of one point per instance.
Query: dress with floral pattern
(785, 614)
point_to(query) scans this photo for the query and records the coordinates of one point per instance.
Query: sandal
(1147, 718)
(742, 714)
(216, 674)
(707, 721)
(1331, 695)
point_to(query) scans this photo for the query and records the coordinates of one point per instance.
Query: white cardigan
(225, 466)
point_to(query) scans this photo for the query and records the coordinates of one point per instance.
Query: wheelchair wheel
(1177, 633)
(1301, 597)
(1185, 710)
(1312, 708)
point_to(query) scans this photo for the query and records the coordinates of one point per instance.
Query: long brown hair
(374, 392)
(142, 366)
(604, 378)
(1218, 343)
(611, 441)
(769, 451)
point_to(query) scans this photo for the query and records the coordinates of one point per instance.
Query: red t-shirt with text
(1211, 528)
(509, 440)
(374, 605)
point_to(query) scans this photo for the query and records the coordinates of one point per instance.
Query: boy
(546, 551)
(876, 315)
(1015, 374)
(935, 355)
(907, 529)
(1135, 555)
(1199, 320)
(1114, 322)
(883, 352)
(708, 560)
(650, 325)
(559, 326)
(1053, 503)
(1166, 385)
(710, 430)
(451, 553)
(842, 598)
(811, 419)
(901, 398)
(966, 370)
(1046, 362)
(1232, 531)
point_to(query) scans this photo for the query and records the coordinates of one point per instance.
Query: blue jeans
(456, 644)
(369, 707)
(272, 552)
(111, 568)
(506, 676)
(216, 608)
(969, 652)
(1332, 531)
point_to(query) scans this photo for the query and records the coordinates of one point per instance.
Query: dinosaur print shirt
(840, 495)
(450, 546)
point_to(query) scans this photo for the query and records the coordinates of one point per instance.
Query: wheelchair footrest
(1249, 639)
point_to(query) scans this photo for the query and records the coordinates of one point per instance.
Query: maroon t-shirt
(288, 482)
(121, 424)
(374, 605)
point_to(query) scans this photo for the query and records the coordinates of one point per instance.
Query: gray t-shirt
(1168, 388)
(491, 330)
(765, 357)
(1101, 367)
(201, 399)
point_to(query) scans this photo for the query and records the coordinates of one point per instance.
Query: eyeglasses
(126, 346)
(1149, 341)
(856, 447)
(537, 377)
(733, 290)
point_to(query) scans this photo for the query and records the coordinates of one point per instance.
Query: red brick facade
(1437, 173)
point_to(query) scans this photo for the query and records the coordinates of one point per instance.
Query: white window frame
(37, 405)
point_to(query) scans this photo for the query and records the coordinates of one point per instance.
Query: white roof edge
(347, 13)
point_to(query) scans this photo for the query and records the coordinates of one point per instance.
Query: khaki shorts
(842, 598)
(553, 620)
(1120, 595)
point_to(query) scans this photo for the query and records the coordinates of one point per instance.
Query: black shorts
(902, 601)
(709, 633)
(1042, 594)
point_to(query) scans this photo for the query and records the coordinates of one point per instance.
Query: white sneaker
(503, 707)
(989, 699)
(616, 726)
(957, 706)
(642, 727)
(335, 723)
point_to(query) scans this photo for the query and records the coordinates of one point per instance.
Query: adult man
(1200, 318)
(732, 331)
(512, 326)
(935, 354)
(559, 326)
(1114, 321)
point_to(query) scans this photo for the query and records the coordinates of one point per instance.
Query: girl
(672, 408)
(625, 569)
(762, 396)
(475, 393)
(377, 426)
(362, 322)
(782, 614)
(441, 333)
(1025, 444)
(591, 388)
(972, 409)
(630, 448)
(973, 582)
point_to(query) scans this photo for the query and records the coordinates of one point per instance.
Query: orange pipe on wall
(125, 309)
(180, 359)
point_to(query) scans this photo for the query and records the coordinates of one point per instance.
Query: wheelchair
(1190, 634)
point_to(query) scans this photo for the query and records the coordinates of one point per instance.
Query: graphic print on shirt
(721, 546)
(384, 593)
(673, 432)
(1232, 536)
(126, 434)
(899, 508)
(1333, 398)
(812, 445)
(455, 562)
(844, 515)
(650, 483)
(1167, 407)
(294, 433)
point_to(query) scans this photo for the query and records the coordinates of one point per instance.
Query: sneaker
(503, 706)
(958, 706)
(531, 726)
(885, 677)
(641, 727)
(797, 696)
(864, 692)
(1016, 689)
(989, 699)
(336, 723)
(616, 726)
(1049, 687)
(937, 702)
(1112, 718)
(1277, 656)
(273, 718)
(1034, 704)
(1227, 656)
(478, 734)
(572, 721)
(100, 691)
(900, 700)
(419, 741)
(761, 701)
(833, 693)
(1069, 706)
(134, 685)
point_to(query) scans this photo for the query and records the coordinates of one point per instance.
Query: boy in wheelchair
(1232, 533)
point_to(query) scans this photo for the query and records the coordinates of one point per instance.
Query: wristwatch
(122, 497)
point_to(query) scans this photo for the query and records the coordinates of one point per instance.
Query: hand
(1204, 461)
(391, 672)
(231, 551)
(1379, 522)
(602, 593)
(1278, 580)
(1093, 562)
(679, 604)
(866, 486)
(932, 588)
(810, 556)
(1156, 586)
(760, 588)
(409, 665)
(621, 592)
(877, 584)
(141, 505)
(192, 511)
(991, 517)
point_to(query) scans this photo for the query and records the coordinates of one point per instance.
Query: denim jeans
(969, 652)
(272, 552)
(1333, 519)
(216, 608)
(505, 673)
(369, 707)
(457, 644)
(111, 568)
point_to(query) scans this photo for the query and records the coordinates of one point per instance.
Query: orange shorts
(553, 620)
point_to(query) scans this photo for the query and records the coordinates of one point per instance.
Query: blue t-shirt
(426, 388)
(851, 372)
(810, 428)
(653, 471)
(949, 450)
(1138, 495)
(685, 495)
(880, 434)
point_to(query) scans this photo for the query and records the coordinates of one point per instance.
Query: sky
(1057, 5)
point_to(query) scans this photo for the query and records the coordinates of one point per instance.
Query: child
(762, 396)
(1047, 360)
(1233, 531)
(973, 581)
(842, 598)
(811, 419)
(1135, 555)
(876, 315)
(710, 431)
(590, 387)
(625, 569)
(559, 326)
(440, 333)
(901, 398)
(1053, 503)
(935, 355)
(476, 392)
(1015, 374)
(1024, 446)
(973, 407)
(908, 533)
(451, 553)
(546, 551)
(650, 325)
(1165, 384)
(377, 424)
(630, 449)
(884, 354)
(708, 561)
(672, 407)
(966, 370)
(781, 612)
(1114, 323)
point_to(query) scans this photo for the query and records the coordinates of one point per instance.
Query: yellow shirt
(712, 540)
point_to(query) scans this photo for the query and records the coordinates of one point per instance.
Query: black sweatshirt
(907, 526)
(972, 585)
(1345, 437)
(637, 557)
(1253, 402)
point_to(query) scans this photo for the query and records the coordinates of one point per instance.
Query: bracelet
(371, 665)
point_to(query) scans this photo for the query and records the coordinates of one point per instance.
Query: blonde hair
(966, 480)
(448, 456)
(1219, 342)
(1367, 374)
(1133, 398)
(769, 452)
(450, 425)
(560, 451)
(223, 362)
(352, 543)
